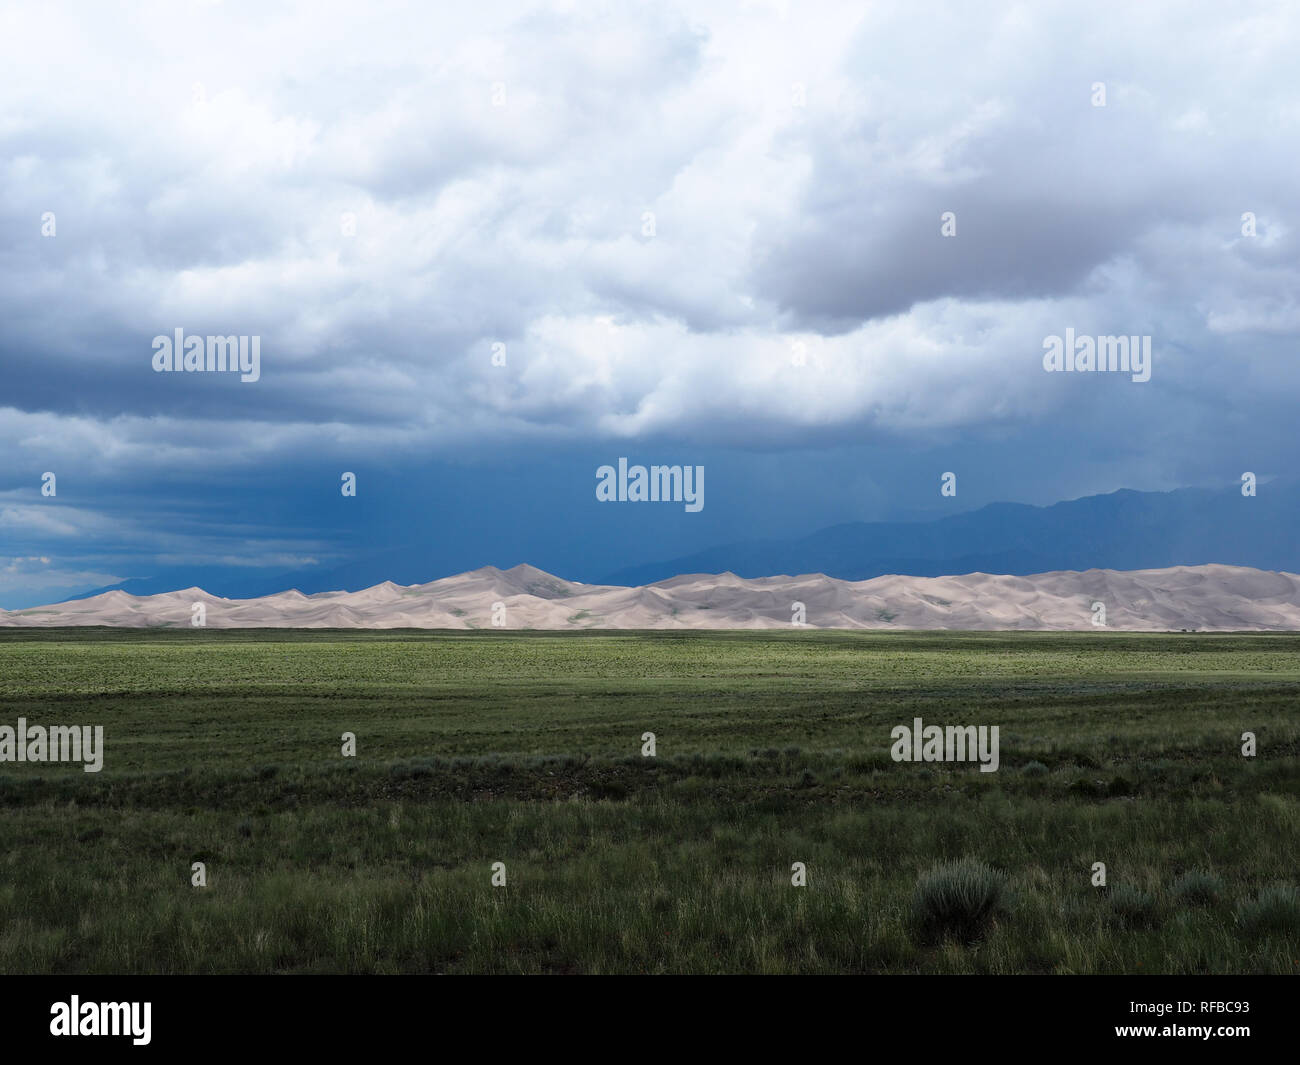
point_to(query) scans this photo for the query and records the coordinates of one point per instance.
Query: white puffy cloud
(502, 162)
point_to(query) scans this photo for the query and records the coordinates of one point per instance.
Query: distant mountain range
(1123, 530)
(1196, 598)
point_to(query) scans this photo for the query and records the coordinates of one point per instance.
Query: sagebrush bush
(1034, 769)
(1134, 908)
(1198, 888)
(960, 900)
(1274, 909)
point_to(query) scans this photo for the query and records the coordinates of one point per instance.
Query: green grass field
(525, 748)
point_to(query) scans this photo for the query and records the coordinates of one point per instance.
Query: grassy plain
(525, 748)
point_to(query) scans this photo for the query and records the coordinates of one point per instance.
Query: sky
(814, 248)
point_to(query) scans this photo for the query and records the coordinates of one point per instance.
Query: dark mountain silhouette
(1124, 530)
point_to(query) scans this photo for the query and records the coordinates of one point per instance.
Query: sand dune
(1196, 598)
